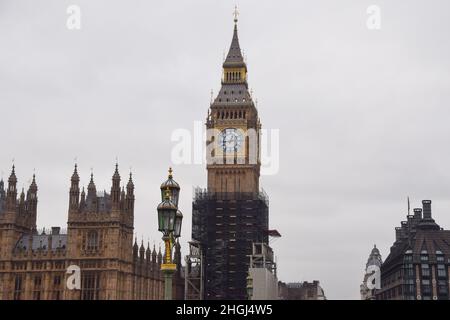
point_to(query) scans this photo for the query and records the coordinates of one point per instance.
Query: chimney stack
(426, 209)
(398, 233)
(418, 213)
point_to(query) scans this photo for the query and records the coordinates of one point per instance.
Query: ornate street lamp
(169, 223)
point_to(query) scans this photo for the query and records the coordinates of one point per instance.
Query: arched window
(92, 240)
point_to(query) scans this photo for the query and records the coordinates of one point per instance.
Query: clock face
(231, 140)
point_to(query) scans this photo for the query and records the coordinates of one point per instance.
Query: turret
(17, 215)
(159, 256)
(2, 195)
(82, 200)
(148, 254)
(135, 249)
(130, 195)
(115, 189)
(142, 251)
(74, 193)
(11, 194)
(154, 255)
(91, 199)
(32, 190)
(22, 208)
(2, 189)
(123, 199)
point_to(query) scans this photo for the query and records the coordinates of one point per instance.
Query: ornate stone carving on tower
(232, 212)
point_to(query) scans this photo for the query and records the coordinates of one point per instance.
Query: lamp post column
(168, 269)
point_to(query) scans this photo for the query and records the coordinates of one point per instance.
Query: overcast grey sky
(363, 114)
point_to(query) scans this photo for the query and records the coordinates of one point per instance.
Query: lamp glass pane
(171, 220)
(175, 196)
(177, 231)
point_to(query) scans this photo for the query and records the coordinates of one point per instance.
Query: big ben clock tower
(233, 130)
(232, 213)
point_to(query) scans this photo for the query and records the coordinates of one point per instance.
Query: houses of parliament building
(99, 241)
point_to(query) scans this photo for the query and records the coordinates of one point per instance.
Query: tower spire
(409, 207)
(74, 193)
(115, 188)
(11, 194)
(33, 186)
(92, 190)
(234, 57)
(12, 178)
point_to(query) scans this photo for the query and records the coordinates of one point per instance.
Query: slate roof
(236, 93)
(234, 57)
(42, 241)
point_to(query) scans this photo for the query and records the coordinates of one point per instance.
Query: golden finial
(170, 173)
(236, 14)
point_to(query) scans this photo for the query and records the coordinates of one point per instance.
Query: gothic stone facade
(99, 240)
